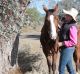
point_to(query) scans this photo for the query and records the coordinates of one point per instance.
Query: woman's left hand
(60, 44)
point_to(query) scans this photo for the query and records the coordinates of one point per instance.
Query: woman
(68, 40)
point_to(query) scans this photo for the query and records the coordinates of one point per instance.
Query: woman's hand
(60, 44)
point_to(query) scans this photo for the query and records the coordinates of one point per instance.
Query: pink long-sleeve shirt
(73, 37)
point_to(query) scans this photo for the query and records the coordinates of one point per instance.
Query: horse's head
(51, 21)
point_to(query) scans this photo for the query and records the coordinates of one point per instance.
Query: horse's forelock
(51, 10)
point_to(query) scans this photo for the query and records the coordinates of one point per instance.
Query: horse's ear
(45, 8)
(56, 8)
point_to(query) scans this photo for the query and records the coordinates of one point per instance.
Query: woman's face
(68, 17)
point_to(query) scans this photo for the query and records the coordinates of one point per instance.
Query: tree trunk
(8, 55)
(10, 23)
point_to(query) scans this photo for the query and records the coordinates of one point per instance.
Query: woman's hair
(72, 21)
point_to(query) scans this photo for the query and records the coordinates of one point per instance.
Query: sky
(39, 4)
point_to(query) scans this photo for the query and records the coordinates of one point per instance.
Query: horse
(49, 37)
(76, 55)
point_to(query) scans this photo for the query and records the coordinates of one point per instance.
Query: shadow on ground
(36, 37)
(26, 61)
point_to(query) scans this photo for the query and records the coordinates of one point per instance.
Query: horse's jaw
(53, 34)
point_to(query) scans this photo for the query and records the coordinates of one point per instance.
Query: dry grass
(30, 29)
(15, 71)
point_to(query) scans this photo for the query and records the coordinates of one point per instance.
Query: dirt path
(32, 39)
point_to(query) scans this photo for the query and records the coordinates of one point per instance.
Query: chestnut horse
(49, 37)
(77, 52)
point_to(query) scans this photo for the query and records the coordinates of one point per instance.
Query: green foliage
(12, 16)
(33, 13)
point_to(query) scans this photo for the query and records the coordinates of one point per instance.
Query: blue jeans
(66, 60)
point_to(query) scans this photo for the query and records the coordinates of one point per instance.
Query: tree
(12, 14)
(67, 4)
(33, 13)
(35, 18)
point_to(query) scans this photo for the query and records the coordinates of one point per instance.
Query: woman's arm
(73, 37)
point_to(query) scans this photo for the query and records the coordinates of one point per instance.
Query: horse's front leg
(77, 66)
(76, 60)
(49, 61)
(54, 58)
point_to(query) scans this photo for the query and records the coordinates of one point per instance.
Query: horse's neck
(44, 29)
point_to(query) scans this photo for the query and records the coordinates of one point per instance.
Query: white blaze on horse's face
(53, 33)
